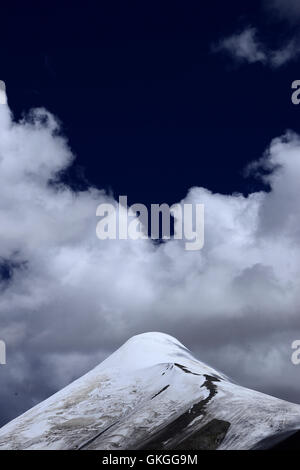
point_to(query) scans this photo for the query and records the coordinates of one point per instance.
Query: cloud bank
(68, 299)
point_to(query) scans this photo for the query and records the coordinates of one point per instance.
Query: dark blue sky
(147, 107)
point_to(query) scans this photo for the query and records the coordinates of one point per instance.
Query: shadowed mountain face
(153, 394)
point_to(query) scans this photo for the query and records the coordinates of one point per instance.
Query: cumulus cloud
(246, 47)
(68, 299)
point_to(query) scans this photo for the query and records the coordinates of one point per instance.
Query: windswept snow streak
(152, 394)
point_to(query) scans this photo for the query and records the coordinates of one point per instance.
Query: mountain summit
(153, 394)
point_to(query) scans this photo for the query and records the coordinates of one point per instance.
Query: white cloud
(246, 47)
(72, 299)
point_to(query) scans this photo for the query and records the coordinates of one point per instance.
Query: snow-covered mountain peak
(149, 349)
(152, 393)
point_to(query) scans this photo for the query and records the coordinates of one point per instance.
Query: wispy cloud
(246, 47)
(284, 9)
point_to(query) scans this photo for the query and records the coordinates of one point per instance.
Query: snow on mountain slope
(152, 394)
